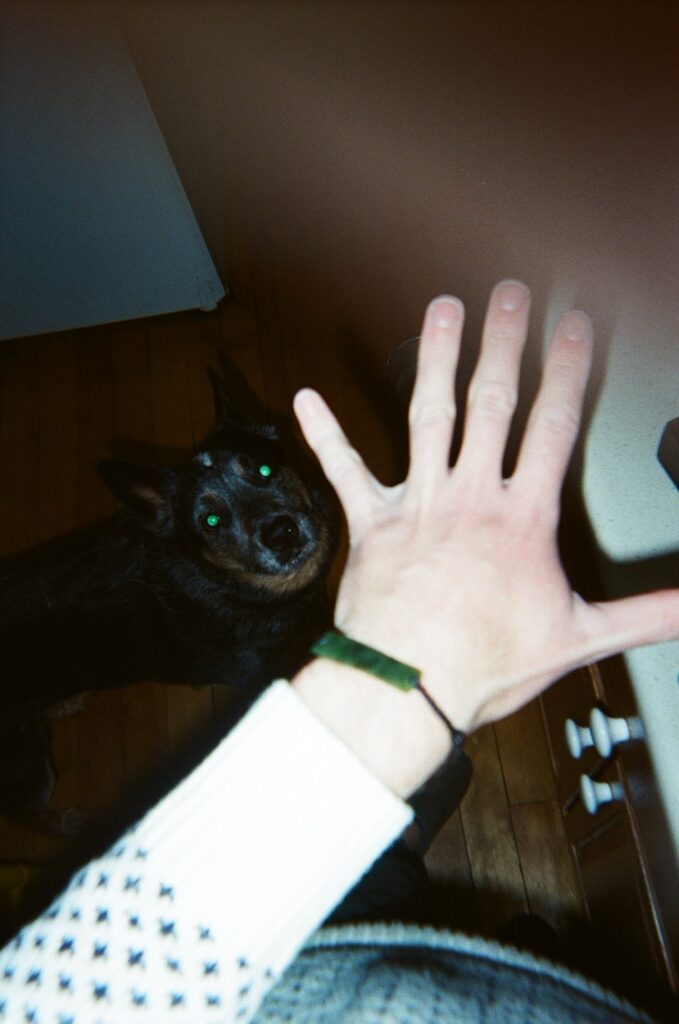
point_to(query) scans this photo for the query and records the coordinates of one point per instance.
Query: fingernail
(308, 402)
(511, 294)
(446, 310)
(577, 325)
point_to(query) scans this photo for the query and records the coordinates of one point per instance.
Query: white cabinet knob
(609, 732)
(595, 794)
(578, 738)
(603, 732)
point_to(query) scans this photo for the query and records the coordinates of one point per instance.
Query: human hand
(457, 571)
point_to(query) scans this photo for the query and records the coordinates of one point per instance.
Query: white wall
(633, 506)
(94, 223)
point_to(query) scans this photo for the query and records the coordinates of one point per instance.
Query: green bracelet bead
(350, 652)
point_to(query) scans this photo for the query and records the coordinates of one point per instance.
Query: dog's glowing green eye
(212, 521)
(264, 470)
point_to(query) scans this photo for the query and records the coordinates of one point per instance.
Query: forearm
(394, 733)
(211, 895)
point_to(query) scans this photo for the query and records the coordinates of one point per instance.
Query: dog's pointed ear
(236, 404)
(143, 488)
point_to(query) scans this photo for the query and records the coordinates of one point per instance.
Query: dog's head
(251, 506)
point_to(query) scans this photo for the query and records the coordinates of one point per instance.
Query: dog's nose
(281, 535)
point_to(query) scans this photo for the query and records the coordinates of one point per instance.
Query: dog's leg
(27, 778)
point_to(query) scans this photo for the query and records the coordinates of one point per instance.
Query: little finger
(355, 486)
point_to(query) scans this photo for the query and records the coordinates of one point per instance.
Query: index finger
(554, 420)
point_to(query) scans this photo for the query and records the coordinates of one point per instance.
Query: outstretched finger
(554, 421)
(494, 387)
(355, 486)
(628, 622)
(431, 415)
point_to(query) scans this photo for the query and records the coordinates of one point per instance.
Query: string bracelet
(338, 647)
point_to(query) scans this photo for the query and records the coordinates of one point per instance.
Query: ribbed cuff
(270, 832)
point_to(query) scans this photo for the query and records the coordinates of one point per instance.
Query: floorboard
(489, 837)
(524, 755)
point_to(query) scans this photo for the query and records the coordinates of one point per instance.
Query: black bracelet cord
(341, 648)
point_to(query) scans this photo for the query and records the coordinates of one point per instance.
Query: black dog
(214, 573)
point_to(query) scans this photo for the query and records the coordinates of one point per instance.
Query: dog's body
(213, 573)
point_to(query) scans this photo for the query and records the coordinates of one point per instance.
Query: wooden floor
(67, 400)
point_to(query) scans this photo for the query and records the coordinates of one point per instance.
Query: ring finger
(431, 414)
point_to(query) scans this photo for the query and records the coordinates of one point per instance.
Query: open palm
(457, 571)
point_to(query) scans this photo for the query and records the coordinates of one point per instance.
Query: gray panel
(94, 223)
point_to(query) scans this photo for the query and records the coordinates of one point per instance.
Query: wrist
(395, 733)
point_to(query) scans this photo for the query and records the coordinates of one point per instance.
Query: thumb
(635, 621)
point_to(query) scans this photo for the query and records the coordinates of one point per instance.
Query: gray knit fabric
(409, 975)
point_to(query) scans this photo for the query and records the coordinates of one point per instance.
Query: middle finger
(493, 391)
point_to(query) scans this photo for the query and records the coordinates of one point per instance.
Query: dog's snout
(281, 534)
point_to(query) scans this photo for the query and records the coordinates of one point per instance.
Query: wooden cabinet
(623, 853)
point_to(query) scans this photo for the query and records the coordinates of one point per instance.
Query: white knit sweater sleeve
(197, 910)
